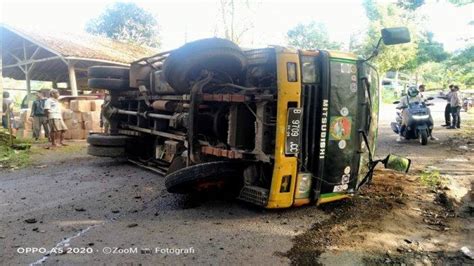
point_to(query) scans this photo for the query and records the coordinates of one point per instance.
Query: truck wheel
(204, 177)
(423, 137)
(102, 151)
(110, 84)
(218, 55)
(108, 140)
(114, 72)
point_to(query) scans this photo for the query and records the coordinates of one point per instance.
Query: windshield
(371, 116)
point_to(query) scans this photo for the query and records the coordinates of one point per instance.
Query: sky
(186, 20)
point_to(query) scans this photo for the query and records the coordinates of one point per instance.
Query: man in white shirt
(52, 108)
(456, 103)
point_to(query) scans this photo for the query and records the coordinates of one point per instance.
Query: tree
(463, 63)
(371, 11)
(230, 12)
(313, 35)
(410, 4)
(383, 16)
(461, 2)
(126, 22)
(430, 50)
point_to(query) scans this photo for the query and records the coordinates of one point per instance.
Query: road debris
(467, 252)
(31, 221)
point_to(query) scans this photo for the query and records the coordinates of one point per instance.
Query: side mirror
(396, 102)
(391, 36)
(397, 163)
(430, 98)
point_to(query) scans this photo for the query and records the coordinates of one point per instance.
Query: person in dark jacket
(39, 117)
(447, 109)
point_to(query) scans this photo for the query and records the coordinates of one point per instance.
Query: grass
(11, 158)
(431, 178)
(388, 96)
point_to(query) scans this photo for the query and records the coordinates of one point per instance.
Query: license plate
(293, 131)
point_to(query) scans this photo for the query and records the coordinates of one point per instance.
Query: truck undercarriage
(221, 114)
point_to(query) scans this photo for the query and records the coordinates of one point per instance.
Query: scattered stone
(31, 221)
(137, 197)
(23, 198)
(90, 244)
(35, 229)
(467, 252)
(80, 209)
(408, 241)
(115, 211)
(132, 225)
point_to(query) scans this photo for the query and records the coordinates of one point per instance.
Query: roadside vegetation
(14, 156)
(423, 58)
(431, 178)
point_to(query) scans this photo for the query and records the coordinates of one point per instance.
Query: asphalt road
(103, 206)
(102, 210)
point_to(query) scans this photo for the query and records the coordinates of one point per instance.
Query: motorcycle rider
(413, 95)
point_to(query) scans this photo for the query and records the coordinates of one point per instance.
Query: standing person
(56, 124)
(447, 109)
(7, 110)
(422, 89)
(104, 122)
(456, 104)
(39, 117)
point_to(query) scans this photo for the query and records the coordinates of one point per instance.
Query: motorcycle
(419, 123)
(467, 104)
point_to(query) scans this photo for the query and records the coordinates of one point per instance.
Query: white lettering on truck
(324, 121)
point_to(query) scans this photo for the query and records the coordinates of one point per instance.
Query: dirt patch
(394, 220)
(350, 217)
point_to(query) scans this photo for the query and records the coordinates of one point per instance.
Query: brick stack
(82, 117)
(24, 124)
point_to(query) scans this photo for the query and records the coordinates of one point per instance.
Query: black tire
(101, 151)
(217, 55)
(107, 140)
(114, 72)
(189, 180)
(109, 84)
(423, 137)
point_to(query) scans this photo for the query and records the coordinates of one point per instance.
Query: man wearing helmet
(413, 95)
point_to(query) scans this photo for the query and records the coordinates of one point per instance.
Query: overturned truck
(279, 127)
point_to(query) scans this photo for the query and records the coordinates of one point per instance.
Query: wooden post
(28, 81)
(72, 78)
(1, 80)
(55, 84)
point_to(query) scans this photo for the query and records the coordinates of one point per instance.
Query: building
(61, 57)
